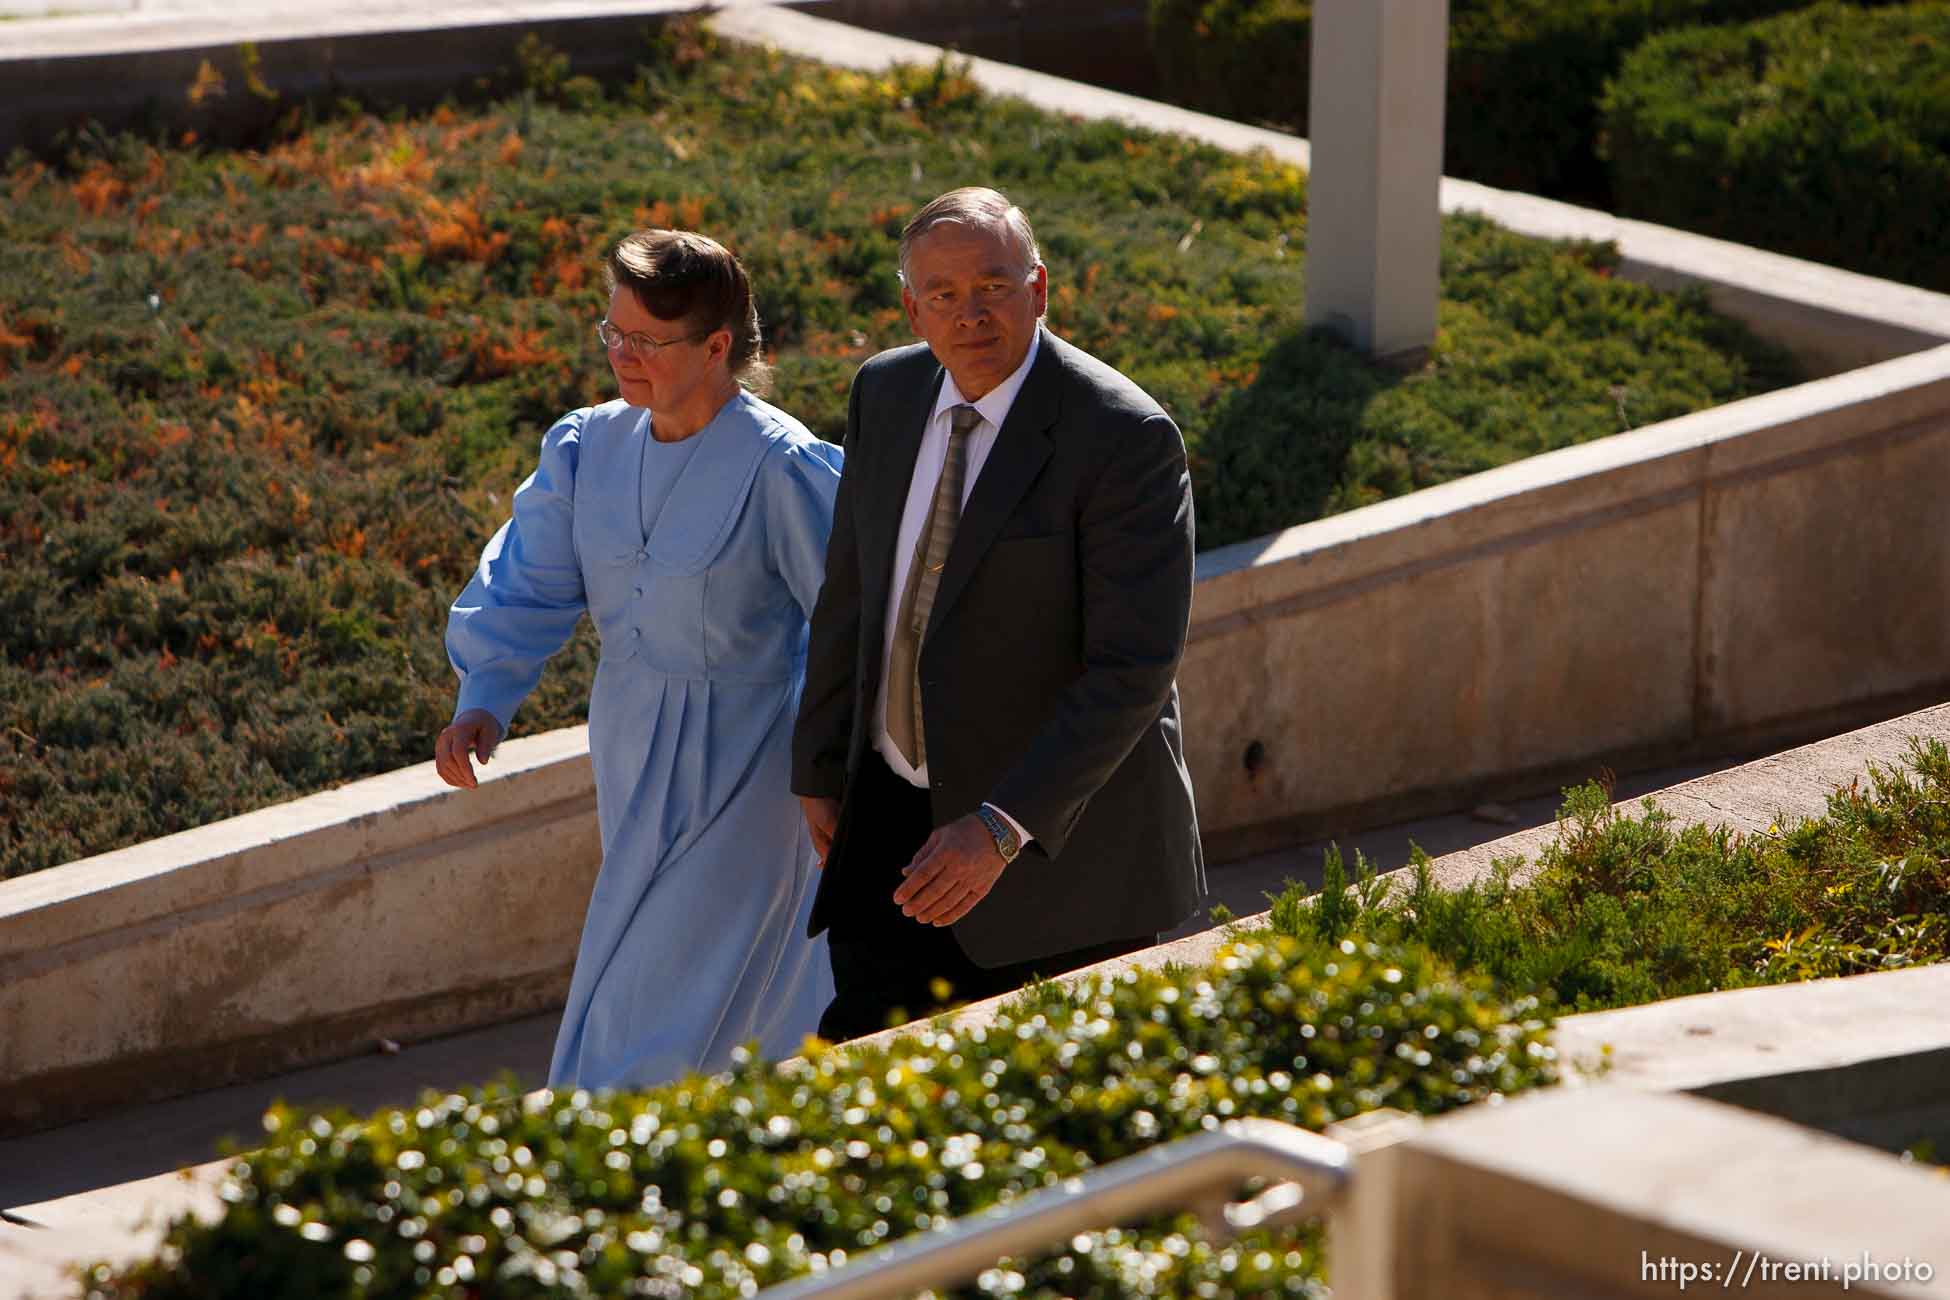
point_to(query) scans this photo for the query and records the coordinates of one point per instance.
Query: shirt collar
(994, 406)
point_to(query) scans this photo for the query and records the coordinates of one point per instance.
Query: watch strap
(1007, 842)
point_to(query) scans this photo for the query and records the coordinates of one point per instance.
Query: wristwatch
(1007, 842)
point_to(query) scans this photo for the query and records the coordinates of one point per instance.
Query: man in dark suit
(988, 746)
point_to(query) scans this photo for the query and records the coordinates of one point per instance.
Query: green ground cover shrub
(1823, 133)
(1626, 910)
(1525, 76)
(259, 409)
(716, 1187)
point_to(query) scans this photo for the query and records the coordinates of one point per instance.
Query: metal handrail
(1202, 1173)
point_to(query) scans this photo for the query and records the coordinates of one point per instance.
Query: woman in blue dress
(689, 519)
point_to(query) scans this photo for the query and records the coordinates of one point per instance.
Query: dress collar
(711, 489)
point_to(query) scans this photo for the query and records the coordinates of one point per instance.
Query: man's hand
(474, 734)
(822, 819)
(954, 870)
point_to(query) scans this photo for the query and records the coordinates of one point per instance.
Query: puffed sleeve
(799, 487)
(526, 595)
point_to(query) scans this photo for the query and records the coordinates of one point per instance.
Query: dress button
(636, 631)
(639, 591)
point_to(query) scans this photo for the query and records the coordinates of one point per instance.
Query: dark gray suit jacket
(1047, 671)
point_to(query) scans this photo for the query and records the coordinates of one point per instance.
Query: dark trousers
(888, 968)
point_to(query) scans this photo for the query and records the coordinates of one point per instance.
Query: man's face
(970, 296)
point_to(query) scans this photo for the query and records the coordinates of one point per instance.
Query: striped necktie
(917, 597)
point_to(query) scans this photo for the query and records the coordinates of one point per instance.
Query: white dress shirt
(994, 409)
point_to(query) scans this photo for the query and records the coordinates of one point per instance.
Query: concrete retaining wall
(1614, 1194)
(133, 72)
(1761, 572)
(391, 907)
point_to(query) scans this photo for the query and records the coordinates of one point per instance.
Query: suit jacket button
(937, 784)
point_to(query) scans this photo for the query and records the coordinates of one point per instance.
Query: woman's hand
(822, 819)
(474, 734)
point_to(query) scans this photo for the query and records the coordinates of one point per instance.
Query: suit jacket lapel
(1021, 447)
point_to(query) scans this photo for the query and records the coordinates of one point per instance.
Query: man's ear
(913, 309)
(1039, 286)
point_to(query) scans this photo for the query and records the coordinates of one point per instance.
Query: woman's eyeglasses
(636, 343)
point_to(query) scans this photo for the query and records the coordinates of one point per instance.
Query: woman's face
(659, 377)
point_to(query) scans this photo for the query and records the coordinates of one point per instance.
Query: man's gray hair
(973, 205)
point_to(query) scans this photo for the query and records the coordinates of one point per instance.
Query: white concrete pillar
(1373, 219)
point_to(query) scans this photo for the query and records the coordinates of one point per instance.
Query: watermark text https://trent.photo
(1748, 1267)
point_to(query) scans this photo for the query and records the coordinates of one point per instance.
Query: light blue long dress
(699, 562)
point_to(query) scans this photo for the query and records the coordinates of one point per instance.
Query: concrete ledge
(1584, 1192)
(1716, 1040)
(1866, 1058)
(117, 1225)
(1578, 1191)
(391, 907)
(134, 71)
